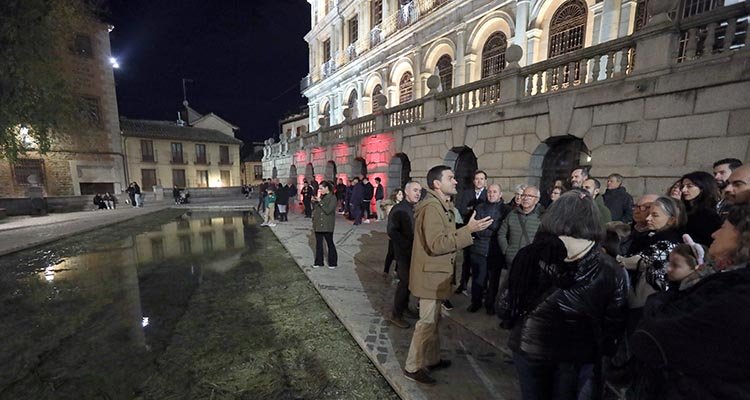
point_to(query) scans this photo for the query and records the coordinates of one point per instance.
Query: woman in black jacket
(695, 344)
(700, 195)
(567, 301)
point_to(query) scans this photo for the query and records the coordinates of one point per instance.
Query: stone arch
(540, 18)
(330, 174)
(555, 158)
(309, 172)
(351, 103)
(373, 80)
(325, 112)
(464, 163)
(293, 172)
(399, 172)
(358, 167)
(491, 23)
(436, 50)
(403, 65)
(274, 173)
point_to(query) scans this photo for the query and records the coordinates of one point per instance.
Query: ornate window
(567, 29)
(327, 113)
(352, 103)
(493, 54)
(695, 7)
(353, 30)
(375, 92)
(405, 88)
(445, 71)
(377, 12)
(26, 167)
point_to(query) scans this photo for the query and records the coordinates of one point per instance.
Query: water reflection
(105, 303)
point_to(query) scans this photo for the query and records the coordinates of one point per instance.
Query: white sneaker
(367, 221)
(331, 267)
(264, 224)
(317, 266)
(271, 225)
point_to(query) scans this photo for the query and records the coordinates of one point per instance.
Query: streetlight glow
(114, 63)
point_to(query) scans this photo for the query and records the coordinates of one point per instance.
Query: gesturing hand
(476, 225)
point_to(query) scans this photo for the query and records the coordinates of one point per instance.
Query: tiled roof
(171, 131)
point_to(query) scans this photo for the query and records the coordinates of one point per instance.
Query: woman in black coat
(700, 195)
(567, 301)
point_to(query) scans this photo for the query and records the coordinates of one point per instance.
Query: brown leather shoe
(399, 322)
(421, 376)
(442, 364)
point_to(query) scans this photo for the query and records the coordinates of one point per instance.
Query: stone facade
(649, 118)
(91, 158)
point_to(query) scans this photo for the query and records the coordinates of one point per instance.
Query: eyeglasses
(528, 196)
(643, 207)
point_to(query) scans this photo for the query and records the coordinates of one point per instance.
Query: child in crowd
(685, 263)
(270, 203)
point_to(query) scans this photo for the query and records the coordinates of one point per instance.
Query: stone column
(392, 94)
(363, 42)
(657, 39)
(462, 71)
(360, 98)
(417, 73)
(533, 36)
(313, 116)
(386, 11)
(470, 60)
(522, 21)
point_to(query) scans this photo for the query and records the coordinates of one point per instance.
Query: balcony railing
(473, 95)
(714, 32)
(406, 113)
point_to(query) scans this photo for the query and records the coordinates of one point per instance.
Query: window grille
(493, 54)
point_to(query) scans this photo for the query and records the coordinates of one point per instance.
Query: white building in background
(361, 47)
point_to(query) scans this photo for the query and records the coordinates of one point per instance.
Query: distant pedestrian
(324, 221)
(379, 196)
(307, 195)
(368, 193)
(341, 195)
(618, 200)
(270, 205)
(138, 195)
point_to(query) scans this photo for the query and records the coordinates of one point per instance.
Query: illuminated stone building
(524, 89)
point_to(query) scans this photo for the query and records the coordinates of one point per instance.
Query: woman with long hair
(700, 195)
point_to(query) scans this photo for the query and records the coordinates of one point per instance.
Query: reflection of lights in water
(144, 322)
(49, 275)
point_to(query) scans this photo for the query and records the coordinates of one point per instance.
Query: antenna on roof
(184, 90)
(180, 122)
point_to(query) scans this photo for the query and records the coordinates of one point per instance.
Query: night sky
(245, 57)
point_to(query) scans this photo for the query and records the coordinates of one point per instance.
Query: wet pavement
(361, 295)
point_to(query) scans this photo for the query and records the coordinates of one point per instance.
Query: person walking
(324, 221)
(138, 195)
(436, 242)
(368, 193)
(401, 235)
(341, 195)
(396, 197)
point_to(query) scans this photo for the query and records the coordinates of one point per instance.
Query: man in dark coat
(467, 200)
(617, 200)
(341, 194)
(358, 196)
(282, 201)
(486, 258)
(401, 233)
(367, 199)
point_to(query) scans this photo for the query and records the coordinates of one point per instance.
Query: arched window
(493, 54)
(327, 114)
(375, 92)
(445, 71)
(567, 29)
(405, 88)
(352, 103)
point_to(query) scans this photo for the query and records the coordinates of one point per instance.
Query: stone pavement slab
(361, 295)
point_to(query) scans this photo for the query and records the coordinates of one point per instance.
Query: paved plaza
(358, 292)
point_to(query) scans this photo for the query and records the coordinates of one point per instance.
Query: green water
(173, 306)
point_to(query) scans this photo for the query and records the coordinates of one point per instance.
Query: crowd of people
(597, 289)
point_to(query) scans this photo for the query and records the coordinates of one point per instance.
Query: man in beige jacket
(436, 242)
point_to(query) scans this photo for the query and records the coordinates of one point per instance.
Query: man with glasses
(639, 228)
(518, 229)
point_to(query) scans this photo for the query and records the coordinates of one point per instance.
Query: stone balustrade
(714, 33)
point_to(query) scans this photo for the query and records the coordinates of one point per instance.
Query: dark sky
(246, 58)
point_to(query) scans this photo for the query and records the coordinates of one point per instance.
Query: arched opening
(563, 155)
(309, 172)
(444, 69)
(377, 90)
(399, 172)
(330, 174)
(464, 164)
(326, 114)
(292, 173)
(352, 104)
(405, 88)
(567, 29)
(493, 54)
(359, 167)
(274, 173)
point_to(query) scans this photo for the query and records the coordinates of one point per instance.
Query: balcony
(177, 159)
(202, 160)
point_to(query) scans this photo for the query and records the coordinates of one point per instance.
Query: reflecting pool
(172, 305)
